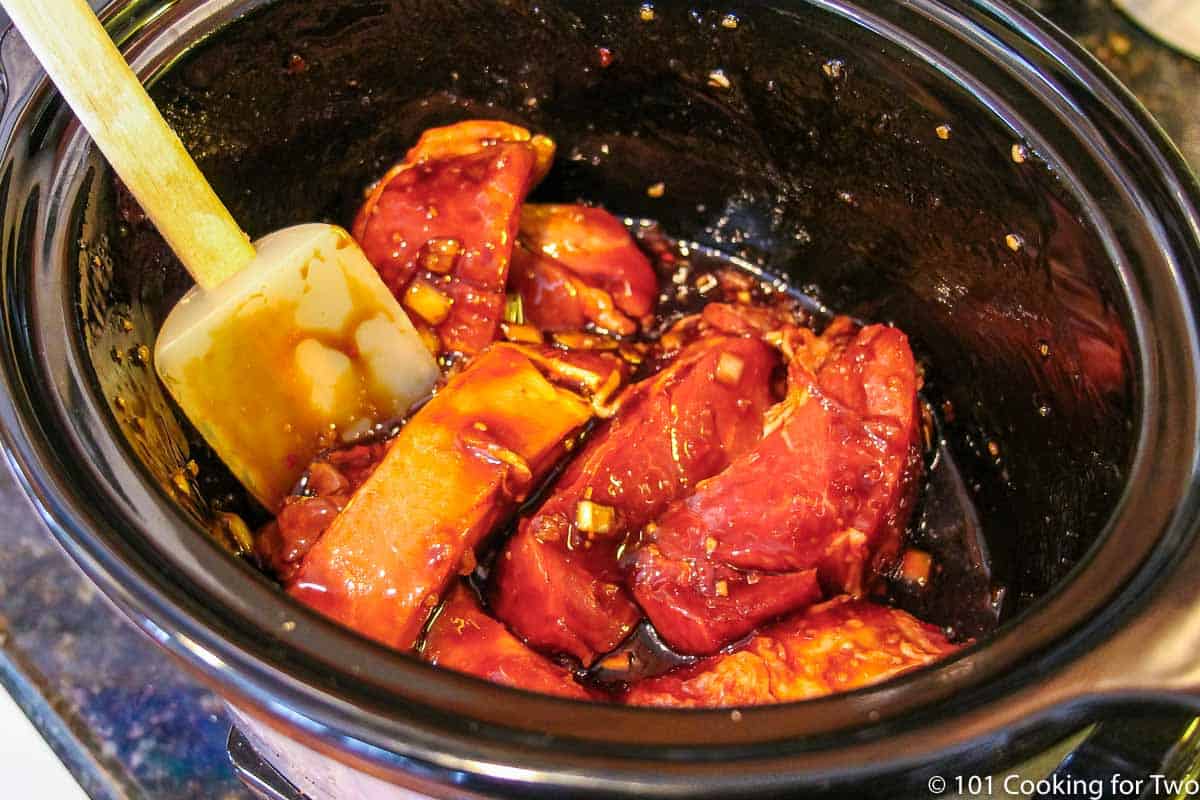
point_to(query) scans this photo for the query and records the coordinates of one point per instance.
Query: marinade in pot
(648, 476)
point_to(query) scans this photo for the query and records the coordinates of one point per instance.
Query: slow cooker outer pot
(1123, 627)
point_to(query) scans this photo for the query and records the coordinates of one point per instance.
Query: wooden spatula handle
(113, 106)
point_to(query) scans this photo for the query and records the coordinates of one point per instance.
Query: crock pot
(961, 169)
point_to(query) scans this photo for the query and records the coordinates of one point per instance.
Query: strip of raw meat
(837, 646)
(597, 248)
(557, 582)
(554, 299)
(826, 491)
(465, 639)
(440, 227)
(459, 466)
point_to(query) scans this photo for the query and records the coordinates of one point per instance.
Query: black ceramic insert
(953, 167)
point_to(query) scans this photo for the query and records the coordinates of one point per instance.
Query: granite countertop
(1167, 83)
(129, 723)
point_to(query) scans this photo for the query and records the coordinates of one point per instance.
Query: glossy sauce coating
(456, 469)
(840, 645)
(465, 639)
(823, 497)
(472, 135)
(443, 224)
(329, 483)
(560, 587)
(554, 299)
(595, 246)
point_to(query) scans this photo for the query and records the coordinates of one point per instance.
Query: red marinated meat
(770, 320)
(465, 639)
(560, 587)
(555, 299)
(698, 604)
(440, 227)
(595, 246)
(459, 466)
(328, 484)
(837, 646)
(747, 320)
(824, 495)
(473, 135)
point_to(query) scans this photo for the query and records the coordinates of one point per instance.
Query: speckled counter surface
(122, 716)
(1167, 83)
(129, 723)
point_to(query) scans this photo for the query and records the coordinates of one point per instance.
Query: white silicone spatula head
(277, 350)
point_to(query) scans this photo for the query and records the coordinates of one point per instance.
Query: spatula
(283, 346)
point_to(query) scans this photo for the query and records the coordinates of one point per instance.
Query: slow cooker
(961, 169)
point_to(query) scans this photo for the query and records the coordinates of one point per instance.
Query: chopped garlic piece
(427, 302)
(916, 566)
(439, 255)
(594, 518)
(729, 369)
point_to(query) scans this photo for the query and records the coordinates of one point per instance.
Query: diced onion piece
(439, 255)
(916, 566)
(427, 302)
(594, 518)
(515, 332)
(233, 532)
(729, 369)
(617, 662)
(577, 377)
